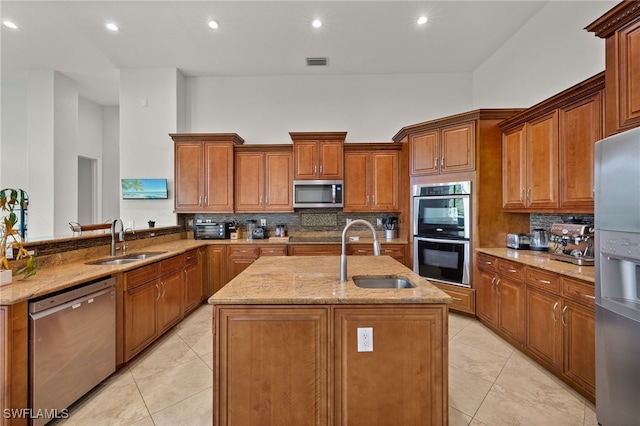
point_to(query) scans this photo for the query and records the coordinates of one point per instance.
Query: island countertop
(307, 280)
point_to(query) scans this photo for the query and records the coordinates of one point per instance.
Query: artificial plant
(10, 199)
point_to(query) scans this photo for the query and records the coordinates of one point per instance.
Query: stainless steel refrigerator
(617, 244)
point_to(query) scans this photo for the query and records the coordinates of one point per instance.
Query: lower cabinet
(314, 249)
(154, 301)
(193, 273)
(464, 299)
(300, 365)
(241, 256)
(559, 325)
(216, 276)
(394, 250)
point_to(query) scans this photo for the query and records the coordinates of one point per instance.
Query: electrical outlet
(263, 222)
(348, 221)
(365, 339)
(379, 221)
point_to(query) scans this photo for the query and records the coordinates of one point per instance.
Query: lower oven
(442, 260)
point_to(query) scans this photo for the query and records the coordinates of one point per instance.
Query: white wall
(551, 53)
(148, 113)
(13, 150)
(370, 108)
(109, 167)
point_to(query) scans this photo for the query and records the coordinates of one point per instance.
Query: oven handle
(443, 240)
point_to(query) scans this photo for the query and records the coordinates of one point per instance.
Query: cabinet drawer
(488, 263)
(191, 257)
(250, 252)
(315, 250)
(273, 251)
(510, 269)
(172, 264)
(463, 298)
(544, 280)
(141, 275)
(396, 251)
(579, 291)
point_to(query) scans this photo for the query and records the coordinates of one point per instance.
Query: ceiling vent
(317, 62)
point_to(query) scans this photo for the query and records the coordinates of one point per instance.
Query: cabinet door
(140, 326)
(423, 151)
(331, 160)
(579, 344)
(356, 182)
(171, 300)
(580, 129)
(514, 168)
(457, 148)
(218, 177)
(544, 328)
(628, 58)
(192, 285)
(249, 182)
(542, 162)
(275, 366)
(305, 154)
(384, 181)
(216, 269)
(188, 176)
(486, 297)
(386, 386)
(278, 181)
(511, 294)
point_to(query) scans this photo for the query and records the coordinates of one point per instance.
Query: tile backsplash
(545, 220)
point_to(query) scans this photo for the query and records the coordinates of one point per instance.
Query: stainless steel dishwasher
(72, 345)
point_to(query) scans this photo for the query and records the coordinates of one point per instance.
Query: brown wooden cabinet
(620, 27)
(548, 151)
(443, 150)
(241, 256)
(382, 387)
(397, 251)
(203, 174)
(263, 179)
(308, 357)
(371, 177)
(314, 250)
(154, 298)
(272, 354)
(193, 268)
(318, 155)
(216, 269)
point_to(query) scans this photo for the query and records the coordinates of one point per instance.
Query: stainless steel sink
(382, 281)
(127, 258)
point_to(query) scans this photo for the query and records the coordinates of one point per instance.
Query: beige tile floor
(490, 383)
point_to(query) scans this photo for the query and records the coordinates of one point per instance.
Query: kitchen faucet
(343, 256)
(121, 235)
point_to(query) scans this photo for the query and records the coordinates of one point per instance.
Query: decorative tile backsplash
(545, 220)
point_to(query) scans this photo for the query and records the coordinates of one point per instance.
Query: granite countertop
(541, 260)
(50, 279)
(315, 280)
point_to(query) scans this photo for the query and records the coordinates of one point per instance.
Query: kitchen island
(293, 345)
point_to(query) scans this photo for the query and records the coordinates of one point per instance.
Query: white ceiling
(254, 38)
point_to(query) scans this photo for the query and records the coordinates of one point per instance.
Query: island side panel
(271, 365)
(404, 380)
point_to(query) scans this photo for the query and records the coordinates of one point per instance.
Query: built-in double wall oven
(441, 232)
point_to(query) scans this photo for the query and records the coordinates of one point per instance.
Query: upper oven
(442, 210)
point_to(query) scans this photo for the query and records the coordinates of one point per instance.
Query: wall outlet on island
(365, 339)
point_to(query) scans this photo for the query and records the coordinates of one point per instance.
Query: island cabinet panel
(380, 387)
(274, 366)
(203, 171)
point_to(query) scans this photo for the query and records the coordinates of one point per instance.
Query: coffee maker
(573, 243)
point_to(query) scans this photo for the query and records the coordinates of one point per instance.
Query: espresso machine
(573, 243)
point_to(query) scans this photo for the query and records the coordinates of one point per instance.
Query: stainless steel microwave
(318, 193)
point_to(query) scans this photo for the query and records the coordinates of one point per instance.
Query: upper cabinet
(263, 179)
(318, 155)
(547, 158)
(621, 29)
(204, 172)
(371, 177)
(442, 150)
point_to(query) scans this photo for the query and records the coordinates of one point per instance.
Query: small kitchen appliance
(518, 241)
(259, 233)
(539, 240)
(211, 231)
(574, 243)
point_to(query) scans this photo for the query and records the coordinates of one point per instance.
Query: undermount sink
(128, 258)
(381, 281)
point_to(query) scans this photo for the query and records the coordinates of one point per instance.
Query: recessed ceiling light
(214, 25)
(10, 24)
(112, 27)
(422, 20)
(316, 23)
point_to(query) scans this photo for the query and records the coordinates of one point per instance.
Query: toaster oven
(519, 241)
(211, 231)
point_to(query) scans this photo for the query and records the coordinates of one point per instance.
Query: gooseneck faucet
(343, 256)
(113, 235)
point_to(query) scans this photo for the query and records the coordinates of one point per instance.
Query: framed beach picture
(144, 189)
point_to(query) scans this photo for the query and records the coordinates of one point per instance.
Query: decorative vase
(6, 276)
